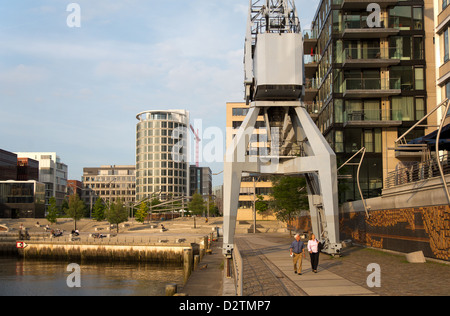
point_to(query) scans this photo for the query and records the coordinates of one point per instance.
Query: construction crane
(197, 146)
(274, 85)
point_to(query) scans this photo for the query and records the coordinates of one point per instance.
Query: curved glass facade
(162, 167)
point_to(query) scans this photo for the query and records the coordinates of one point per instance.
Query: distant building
(200, 180)
(74, 187)
(8, 165)
(22, 199)
(252, 185)
(27, 169)
(52, 172)
(162, 151)
(109, 183)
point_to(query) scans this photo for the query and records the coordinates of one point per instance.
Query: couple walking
(298, 250)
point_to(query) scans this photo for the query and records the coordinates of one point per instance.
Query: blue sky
(76, 91)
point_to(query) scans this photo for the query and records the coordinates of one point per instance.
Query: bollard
(187, 263)
(171, 289)
(196, 261)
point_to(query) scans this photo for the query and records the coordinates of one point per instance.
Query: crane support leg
(318, 165)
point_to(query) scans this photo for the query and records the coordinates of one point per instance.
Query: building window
(240, 111)
(446, 47)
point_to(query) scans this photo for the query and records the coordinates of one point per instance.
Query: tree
(197, 204)
(117, 214)
(289, 197)
(99, 210)
(261, 205)
(52, 211)
(76, 208)
(142, 212)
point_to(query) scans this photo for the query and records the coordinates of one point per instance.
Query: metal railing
(238, 271)
(372, 115)
(372, 84)
(417, 171)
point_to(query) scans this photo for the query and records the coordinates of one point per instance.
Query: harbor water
(20, 277)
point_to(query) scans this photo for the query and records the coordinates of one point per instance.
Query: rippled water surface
(45, 278)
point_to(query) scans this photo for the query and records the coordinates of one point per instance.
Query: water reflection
(45, 278)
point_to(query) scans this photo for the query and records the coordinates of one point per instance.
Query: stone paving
(268, 271)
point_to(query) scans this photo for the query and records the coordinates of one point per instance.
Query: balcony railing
(311, 59)
(417, 171)
(309, 34)
(311, 83)
(371, 115)
(372, 84)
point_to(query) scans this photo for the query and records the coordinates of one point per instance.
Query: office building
(200, 180)
(367, 83)
(8, 165)
(27, 169)
(22, 199)
(52, 172)
(109, 183)
(252, 185)
(162, 151)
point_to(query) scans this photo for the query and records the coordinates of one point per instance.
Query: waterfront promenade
(268, 272)
(268, 269)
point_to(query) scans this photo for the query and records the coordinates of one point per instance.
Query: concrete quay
(268, 272)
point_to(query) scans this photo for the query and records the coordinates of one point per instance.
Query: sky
(76, 91)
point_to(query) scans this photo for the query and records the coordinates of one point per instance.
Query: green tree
(289, 197)
(261, 205)
(117, 214)
(52, 211)
(142, 212)
(98, 212)
(76, 208)
(197, 204)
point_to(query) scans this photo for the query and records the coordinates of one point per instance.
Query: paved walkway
(268, 270)
(208, 279)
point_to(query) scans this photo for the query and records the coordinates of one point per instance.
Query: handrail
(238, 271)
(417, 172)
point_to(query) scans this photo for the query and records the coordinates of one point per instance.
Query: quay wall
(123, 253)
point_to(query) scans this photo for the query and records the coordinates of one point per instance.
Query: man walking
(297, 250)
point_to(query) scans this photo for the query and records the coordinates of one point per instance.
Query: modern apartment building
(109, 183)
(367, 82)
(442, 44)
(252, 185)
(162, 152)
(53, 172)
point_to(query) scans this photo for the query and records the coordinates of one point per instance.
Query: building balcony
(313, 109)
(371, 88)
(367, 58)
(372, 118)
(362, 4)
(309, 40)
(311, 63)
(359, 29)
(311, 89)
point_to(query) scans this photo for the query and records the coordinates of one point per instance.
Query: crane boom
(197, 146)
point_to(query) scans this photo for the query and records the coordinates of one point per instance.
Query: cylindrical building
(162, 152)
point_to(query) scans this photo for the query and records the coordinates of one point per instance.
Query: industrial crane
(274, 85)
(197, 146)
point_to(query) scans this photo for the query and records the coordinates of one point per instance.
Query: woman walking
(313, 248)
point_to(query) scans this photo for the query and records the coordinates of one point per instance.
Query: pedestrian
(313, 248)
(297, 250)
